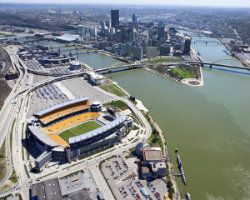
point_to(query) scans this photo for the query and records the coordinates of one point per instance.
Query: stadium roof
(58, 106)
(98, 131)
(68, 37)
(36, 130)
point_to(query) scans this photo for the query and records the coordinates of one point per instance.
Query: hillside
(4, 88)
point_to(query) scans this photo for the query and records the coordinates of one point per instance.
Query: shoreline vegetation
(157, 138)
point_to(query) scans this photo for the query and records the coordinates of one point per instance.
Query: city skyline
(209, 3)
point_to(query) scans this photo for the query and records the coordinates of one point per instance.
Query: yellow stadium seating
(53, 130)
(64, 112)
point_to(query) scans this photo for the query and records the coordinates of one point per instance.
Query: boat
(179, 161)
(188, 196)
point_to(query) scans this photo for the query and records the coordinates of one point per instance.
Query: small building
(153, 164)
(96, 106)
(75, 65)
(48, 190)
(95, 78)
(145, 173)
(159, 169)
(151, 154)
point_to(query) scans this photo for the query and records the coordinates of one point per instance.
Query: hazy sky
(214, 3)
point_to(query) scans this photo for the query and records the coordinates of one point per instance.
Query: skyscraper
(114, 18)
(187, 46)
(134, 19)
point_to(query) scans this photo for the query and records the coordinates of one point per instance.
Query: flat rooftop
(152, 155)
(49, 190)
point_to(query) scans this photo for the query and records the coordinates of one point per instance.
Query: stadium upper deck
(50, 114)
(70, 122)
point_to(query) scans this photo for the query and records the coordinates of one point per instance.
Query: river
(210, 125)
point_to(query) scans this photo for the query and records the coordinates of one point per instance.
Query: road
(9, 114)
(101, 183)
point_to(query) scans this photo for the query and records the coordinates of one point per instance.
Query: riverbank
(170, 177)
(156, 130)
(188, 81)
(234, 55)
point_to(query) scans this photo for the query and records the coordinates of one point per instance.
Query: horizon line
(124, 4)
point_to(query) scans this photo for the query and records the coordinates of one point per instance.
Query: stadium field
(78, 130)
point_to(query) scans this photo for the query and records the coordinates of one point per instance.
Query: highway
(9, 118)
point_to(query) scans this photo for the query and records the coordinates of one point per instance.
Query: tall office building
(114, 18)
(137, 52)
(187, 46)
(134, 19)
(161, 32)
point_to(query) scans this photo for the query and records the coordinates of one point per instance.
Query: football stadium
(74, 129)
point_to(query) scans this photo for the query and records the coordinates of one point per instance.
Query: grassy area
(5, 90)
(114, 89)
(80, 129)
(182, 73)
(13, 177)
(2, 161)
(155, 139)
(165, 59)
(117, 104)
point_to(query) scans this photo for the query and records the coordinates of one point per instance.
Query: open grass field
(78, 130)
(165, 59)
(114, 89)
(117, 104)
(182, 73)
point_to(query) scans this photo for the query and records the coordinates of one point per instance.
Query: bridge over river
(126, 67)
(206, 41)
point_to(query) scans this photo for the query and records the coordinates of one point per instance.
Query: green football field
(78, 130)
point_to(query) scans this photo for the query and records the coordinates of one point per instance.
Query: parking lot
(34, 65)
(46, 96)
(81, 88)
(123, 179)
(50, 92)
(141, 189)
(116, 167)
(60, 70)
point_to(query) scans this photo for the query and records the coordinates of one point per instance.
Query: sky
(210, 3)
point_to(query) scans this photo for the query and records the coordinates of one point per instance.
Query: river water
(210, 125)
